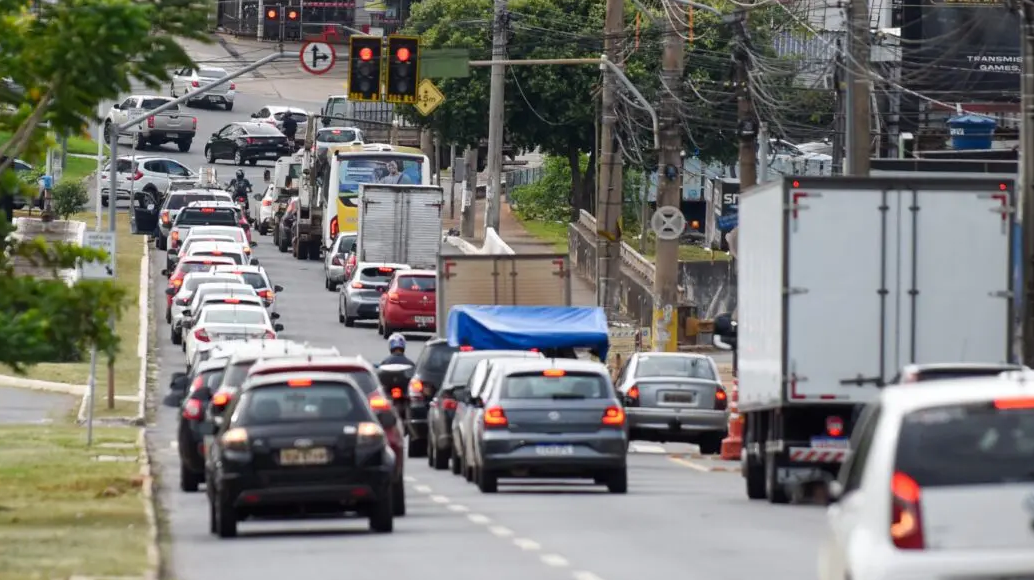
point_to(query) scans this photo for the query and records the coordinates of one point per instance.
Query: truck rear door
(422, 230)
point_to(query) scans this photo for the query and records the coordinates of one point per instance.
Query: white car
(219, 322)
(142, 173)
(217, 298)
(231, 250)
(275, 114)
(938, 484)
(185, 293)
(327, 137)
(194, 302)
(265, 210)
(189, 79)
(258, 279)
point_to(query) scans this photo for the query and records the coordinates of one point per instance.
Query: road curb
(233, 52)
(703, 466)
(144, 304)
(150, 499)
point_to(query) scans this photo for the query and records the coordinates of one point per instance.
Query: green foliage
(547, 199)
(68, 198)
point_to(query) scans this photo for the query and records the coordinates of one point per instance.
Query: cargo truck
(843, 281)
(400, 224)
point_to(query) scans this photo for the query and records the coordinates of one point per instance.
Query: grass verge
(63, 513)
(130, 249)
(555, 233)
(76, 145)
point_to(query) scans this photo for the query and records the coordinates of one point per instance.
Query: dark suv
(427, 379)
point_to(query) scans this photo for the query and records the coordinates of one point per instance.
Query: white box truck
(842, 281)
(400, 224)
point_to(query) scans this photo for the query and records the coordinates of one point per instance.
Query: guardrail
(629, 257)
(493, 246)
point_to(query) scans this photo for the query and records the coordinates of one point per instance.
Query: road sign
(100, 270)
(428, 97)
(668, 222)
(317, 57)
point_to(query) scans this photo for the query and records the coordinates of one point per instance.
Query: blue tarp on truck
(528, 327)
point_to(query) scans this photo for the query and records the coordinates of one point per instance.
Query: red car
(186, 266)
(408, 303)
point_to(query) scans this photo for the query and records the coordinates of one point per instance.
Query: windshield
(152, 104)
(692, 367)
(321, 401)
(207, 216)
(211, 379)
(338, 136)
(236, 233)
(565, 386)
(233, 288)
(179, 201)
(967, 445)
(357, 169)
(193, 240)
(298, 117)
(236, 316)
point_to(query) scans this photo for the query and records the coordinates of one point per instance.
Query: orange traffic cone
(733, 443)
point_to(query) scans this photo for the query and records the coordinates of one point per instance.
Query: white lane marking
(479, 519)
(501, 531)
(583, 575)
(408, 478)
(639, 447)
(422, 488)
(459, 508)
(526, 544)
(439, 499)
(554, 560)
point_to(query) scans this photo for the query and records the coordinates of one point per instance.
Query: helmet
(240, 174)
(396, 342)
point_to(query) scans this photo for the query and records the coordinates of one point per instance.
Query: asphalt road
(23, 406)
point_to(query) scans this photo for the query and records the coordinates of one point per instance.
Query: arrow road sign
(668, 222)
(100, 270)
(317, 57)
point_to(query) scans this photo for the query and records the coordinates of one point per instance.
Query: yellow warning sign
(428, 97)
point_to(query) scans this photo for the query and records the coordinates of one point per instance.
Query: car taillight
(358, 285)
(337, 261)
(195, 123)
(267, 202)
(183, 301)
(416, 387)
(266, 295)
(396, 393)
(449, 404)
(175, 235)
(233, 86)
(906, 525)
(614, 416)
(834, 426)
(632, 397)
(249, 141)
(192, 411)
(150, 122)
(721, 399)
(270, 334)
(495, 418)
(393, 297)
(466, 348)
(201, 335)
(176, 283)
(195, 84)
(379, 403)
(165, 220)
(138, 175)
(196, 384)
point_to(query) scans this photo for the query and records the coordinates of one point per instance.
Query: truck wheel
(184, 145)
(282, 246)
(141, 142)
(776, 491)
(754, 477)
(314, 251)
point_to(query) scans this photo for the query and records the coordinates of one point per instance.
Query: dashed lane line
(439, 499)
(584, 575)
(421, 489)
(501, 531)
(554, 560)
(479, 519)
(458, 508)
(526, 544)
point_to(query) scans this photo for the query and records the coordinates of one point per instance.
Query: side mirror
(254, 244)
(169, 291)
(274, 315)
(117, 107)
(278, 327)
(254, 262)
(325, 121)
(278, 288)
(836, 491)
(178, 382)
(215, 134)
(476, 401)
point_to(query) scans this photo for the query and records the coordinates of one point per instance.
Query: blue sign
(47, 181)
(727, 223)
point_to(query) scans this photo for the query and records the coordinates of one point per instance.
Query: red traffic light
(292, 15)
(271, 14)
(403, 54)
(365, 54)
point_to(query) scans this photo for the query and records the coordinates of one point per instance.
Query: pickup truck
(168, 126)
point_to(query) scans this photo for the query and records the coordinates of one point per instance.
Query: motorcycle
(395, 381)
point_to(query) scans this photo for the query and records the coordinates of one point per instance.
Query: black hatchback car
(248, 143)
(190, 433)
(427, 379)
(299, 444)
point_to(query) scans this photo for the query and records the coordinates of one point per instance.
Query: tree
(59, 60)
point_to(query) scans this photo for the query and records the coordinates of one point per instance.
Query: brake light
(299, 382)
(217, 252)
(192, 410)
(632, 397)
(337, 261)
(614, 416)
(235, 440)
(449, 404)
(233, 86)
(201, 335)
(1005, 404)
(175, 235)
(393, 297)
(249, 141)
(269, 335)
(198, 381)
(553, 373)
(369, 432)
(138, 175)
(266, 295)
(358, 285)
(221, 399)
(834, 426)
(165, 218)
(721, 400)
(416, 387)
(466, 348)
(231, 300)
(176, 283)
(906, 526)
(379, 403)
(267, 202)
(195, 123)
(495, 417)
(195, 84)
(396, 393)
(208, 210)
(389, 270)
(150, 122)
(533, 349)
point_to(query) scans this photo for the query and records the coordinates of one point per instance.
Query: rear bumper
(684, 421)
(406, 319)
(223, 98)
(362, 308)
(596, 452)
(880, 564)
(356, 486)
(169, 134)
(271, 152)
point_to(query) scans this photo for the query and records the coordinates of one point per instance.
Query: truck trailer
(400, 224)
(843, 281)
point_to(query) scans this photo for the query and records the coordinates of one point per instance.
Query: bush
(68, 198)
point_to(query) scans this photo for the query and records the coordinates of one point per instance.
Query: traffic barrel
(732, 445)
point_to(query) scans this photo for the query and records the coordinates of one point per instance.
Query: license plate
(172, 135)
(271, 154)
(423, 319)
(830, 443)
(317, 456)
(679, 398)
(214, 99)
(554, 450)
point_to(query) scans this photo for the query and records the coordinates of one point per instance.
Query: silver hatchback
(360, 295)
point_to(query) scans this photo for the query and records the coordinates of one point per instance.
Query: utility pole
(610, 185)
(839, 123)
(669, 186)
(859, 134)
(493, 203)
(469, 194)
(1026, 185)
(747, 124)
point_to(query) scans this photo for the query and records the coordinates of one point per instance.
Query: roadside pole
(496, 113)
(100, 165)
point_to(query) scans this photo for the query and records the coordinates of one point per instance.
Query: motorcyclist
(241, 187)
(397, 346)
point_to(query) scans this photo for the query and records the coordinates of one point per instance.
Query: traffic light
(292, 14)
(403, 69)
(364, 68)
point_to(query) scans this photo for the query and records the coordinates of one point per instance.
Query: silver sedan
(360, 295)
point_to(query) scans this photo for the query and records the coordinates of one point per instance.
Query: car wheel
(141, 142)
(430, 451)
(189, 481)
(253, 162)
(416, 449)
(468, 471)
(711, 443)
(388, 331)
(107, 132)
(441, 458)
(454, 461)
(487, 480)
(327, 284)
(398, 503)
(229, 106)
(617, 482)
(238, 157)
(184, 145)
(213, 520)
(382, 513)
(226, 516)
(168, 316)
(210, 155)
(349, 321)
(176, 337)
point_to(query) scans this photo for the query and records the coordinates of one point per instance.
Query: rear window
(183, 200)
(236, 233)
(189, 267)
(377, 274)
(960, 373)
(338, 136)
(207, 216)
(318, 402)
(417, 283)
(566, 386)
(967, 445)
(236, 316)
(674, 366)
(298, 117)
(212, 378)
(196, 281)
(465, 366)
(435, 359)
(237, 258)
(255, 280)
(123, 166)
(152, 104)
(346, 246)
(263, 130)
(245, 301)
(211, 73)
(236, 373)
